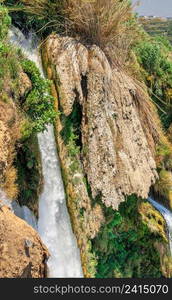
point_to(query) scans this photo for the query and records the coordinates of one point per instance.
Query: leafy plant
(39, 104)
(125, 246)
(154, 58)
(29, 173)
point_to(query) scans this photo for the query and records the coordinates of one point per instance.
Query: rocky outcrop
(118, 131)
(11, 119)
(22, 254)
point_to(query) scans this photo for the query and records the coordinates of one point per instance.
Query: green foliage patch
(39, 104)
(154, 57)
(29, 173)
(125, 246)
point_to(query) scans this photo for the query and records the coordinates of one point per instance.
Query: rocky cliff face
(105, 136)
(117, 142)
(22, 254)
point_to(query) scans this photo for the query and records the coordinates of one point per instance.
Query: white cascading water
(167, 216)
(54, 224)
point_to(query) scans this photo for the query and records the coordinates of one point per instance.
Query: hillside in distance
(157, 26)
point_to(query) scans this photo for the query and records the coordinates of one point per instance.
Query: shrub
(125, 246)
(39, 102)
(27, 163)
(154, 58)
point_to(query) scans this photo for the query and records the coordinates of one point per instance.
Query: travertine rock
(116, 137)
(22, 254)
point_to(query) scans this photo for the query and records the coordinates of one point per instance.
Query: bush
(125, 246)
(154, 58)
(39, 104)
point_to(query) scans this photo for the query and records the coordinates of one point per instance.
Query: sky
(161, 8)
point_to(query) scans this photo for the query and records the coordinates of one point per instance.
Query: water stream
(54, 224)
(167, 216)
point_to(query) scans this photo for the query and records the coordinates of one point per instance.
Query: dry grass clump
(109, 24)
(99, 21)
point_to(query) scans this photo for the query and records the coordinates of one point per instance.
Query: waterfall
(54, 224)
(167, 216)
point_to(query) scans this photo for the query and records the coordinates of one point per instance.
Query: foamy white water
(54, 224)
(167, 216)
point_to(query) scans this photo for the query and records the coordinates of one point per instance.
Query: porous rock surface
(116, 141)
(22, 254)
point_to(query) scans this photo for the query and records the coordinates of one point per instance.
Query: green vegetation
(29, 179)
(9, 69)
(5, 21)
(125, 246)
(34, 110)
(42, 16)
(72, 125)
(113, 244)
(39, 104)
(154, 58)
(8, 58)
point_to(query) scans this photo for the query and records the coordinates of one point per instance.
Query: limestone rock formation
(22, 254)
(117, 138)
